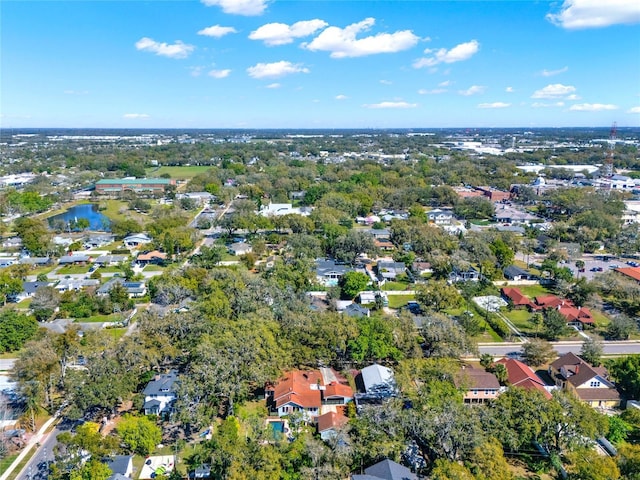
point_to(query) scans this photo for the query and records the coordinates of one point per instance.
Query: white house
(279, 209)
(136, 239)
(160, 394)
(440, 216)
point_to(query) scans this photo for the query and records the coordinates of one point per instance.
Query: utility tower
(608, 163)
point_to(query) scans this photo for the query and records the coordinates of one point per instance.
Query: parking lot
(593, 264)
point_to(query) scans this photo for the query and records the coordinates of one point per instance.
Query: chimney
(577, 369)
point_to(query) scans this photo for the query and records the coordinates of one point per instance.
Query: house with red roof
(329, 423)
(516, 298)
(631, 272)
(521, 375)
(310, 392)
(479, 386)
(576, 316)
(590, 384)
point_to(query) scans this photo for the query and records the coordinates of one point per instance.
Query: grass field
(397, 286)
(119, 210)
(73, 270)
(5, 462)
(179, 173)
(399, 301)
(114, 317)
(520, 318)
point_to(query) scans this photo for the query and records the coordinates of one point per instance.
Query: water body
(97, 221)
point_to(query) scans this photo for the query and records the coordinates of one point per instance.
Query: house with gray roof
(378, 380)
(160, 394)
(134, 289)
(386, 470)
(28, 289)
(391, 270)
(512, 272)
(74, 260)
(120, 465)
(329, 273)
(110, 260)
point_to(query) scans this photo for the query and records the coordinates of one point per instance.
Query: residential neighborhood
(221, 320)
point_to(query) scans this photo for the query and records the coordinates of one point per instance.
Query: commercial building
(139, 185)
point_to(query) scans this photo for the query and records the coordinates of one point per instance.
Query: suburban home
(384, 245)
(120, 465)
(386, 470)
(35, 261)
(240, 248)
(75, 284)
(369, 297)
(28, 289)
(421, 268)
(590, 384)
(329, 273)
(203, 471)
(516, 274)
(12, 242)
(310, 392)
(155, 257)
(134, 289)
(329, 423)
(110, 260)
(516, 298)
(391, 270)
(479, 386)
(136, 239)
(506, 214)
(74, 260)
(201, 198)
(279, 209)
(377, 380)
(468, 275)
(579, 317)
(440, 216)
(522, 376)
(160, 394)
(96, 241)
(357, 311)
(380, 233)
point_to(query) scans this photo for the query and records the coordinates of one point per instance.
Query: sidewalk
(25, 451)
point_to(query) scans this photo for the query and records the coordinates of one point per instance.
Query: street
(610, 348)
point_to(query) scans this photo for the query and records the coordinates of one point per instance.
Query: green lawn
(397, 286)
(399, 301)
(533, 291)
(154, 268)
(113, 317)
(116, 333)
(5, 462)
(119, 210)
(520, 318)
(24, 303)
(73, 269)
(177, 172)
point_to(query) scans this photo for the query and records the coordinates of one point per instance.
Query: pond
(89, 211)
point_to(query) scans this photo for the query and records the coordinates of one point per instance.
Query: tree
(15, 330)
(443, 337)
(374, 342)
(348, 247)
(139, 434)
(591, 351)
(9, 285)
(504, 254)
(587, 466)
(625, 371)
(94, 469)
(554, 324)
(438, 295)
(124, 227)
(537, 352)
(209, 257)
(34, 234)
(44, 303)
(489, 463)
(629, 461)
(353, 283)
(450, 470)
(621, 328)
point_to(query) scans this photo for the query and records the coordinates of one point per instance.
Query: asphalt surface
(609, 348)
(37, 468)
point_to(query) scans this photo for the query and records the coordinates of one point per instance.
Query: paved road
(609, 348)
(37, 467)
(7, 364)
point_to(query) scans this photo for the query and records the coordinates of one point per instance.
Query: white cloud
(275, 69)
(551, 73)
(472, 90)
(217, 31)
(554, 91)
(463, 51)
(176, 50)
(592, 107)
(219, 73)
(135, 115)
(247, 8)
(494, 105)
(273, 85)
(575, 14)
(342, 42)
(341, 97)
(435, 91)
(446, 83)
(634, 110)
(547, 105)
(281, 34)
(390, 105)
(386, 82)
(509, 90)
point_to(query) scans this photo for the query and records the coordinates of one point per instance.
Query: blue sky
(319, 64)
